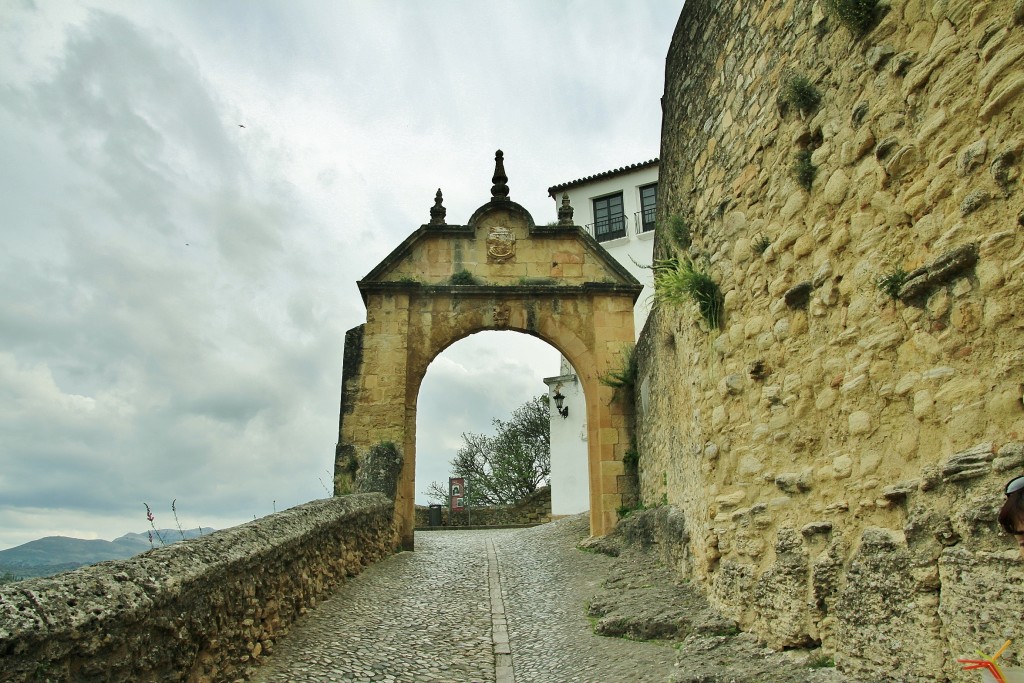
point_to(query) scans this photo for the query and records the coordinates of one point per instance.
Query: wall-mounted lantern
(559, 399)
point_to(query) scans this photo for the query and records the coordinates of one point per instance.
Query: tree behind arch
(509, 466)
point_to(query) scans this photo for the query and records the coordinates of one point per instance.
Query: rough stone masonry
(838, 448)
(205, 610)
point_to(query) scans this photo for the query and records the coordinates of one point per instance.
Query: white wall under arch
(569, 473)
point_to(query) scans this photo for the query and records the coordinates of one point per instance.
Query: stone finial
(437, 211)
(565, 211)
(499, 191)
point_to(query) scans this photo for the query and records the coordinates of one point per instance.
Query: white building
(617, 208)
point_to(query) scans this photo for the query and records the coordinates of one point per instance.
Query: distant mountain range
(55, 554)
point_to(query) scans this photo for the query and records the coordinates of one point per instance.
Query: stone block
(970, 463)
(860, 423)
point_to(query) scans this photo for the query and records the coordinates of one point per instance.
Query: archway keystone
(500, 271)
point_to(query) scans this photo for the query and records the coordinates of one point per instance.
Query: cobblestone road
(438, 614)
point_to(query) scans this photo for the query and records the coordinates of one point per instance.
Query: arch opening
(480, 378)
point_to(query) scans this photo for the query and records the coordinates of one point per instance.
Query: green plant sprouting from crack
(677, 280)
(821, 662)
(679, 231)
(462, 277)
(803, 170)
(856, 15)
(799, 91)
(891, 283)
(624, 376)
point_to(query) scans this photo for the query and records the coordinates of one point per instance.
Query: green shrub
(679, 231)
(803, 170)
(679, 280)
(856, 15)
(760, 244)
(801, 92)
(463, 277)
(630, 459)
(623, 377)
(625, 511)
(891, 283)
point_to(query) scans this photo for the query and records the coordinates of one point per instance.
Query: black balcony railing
(608, 229)
(645, 220)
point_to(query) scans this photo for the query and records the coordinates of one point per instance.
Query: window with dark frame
(609, 219)
(648, 206)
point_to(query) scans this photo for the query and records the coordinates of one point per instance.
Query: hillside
(55, 554)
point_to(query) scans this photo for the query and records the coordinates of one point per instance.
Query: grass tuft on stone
(678, 280)
(624, 376)
(463, 277)
(679, 230)
(803, 170)
(891, 283)
(631, 459)
(821, 662)
(760, 244)
(858, 16)
(801, 93)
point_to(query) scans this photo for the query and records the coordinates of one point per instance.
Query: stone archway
(500, 271)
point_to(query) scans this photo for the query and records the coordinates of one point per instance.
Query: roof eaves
(601, 176)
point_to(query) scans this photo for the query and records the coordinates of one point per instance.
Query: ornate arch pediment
(499, 271)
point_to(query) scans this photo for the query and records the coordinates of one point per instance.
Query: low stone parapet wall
(201, 610)
(533, 510)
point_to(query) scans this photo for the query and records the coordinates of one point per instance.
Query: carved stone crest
(502, 313)
(501, 244)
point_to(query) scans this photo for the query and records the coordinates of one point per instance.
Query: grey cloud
(134, 367)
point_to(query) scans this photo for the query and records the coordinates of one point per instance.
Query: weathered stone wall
(346, 460)
(199, 610)
(838, 454)
(535, 509)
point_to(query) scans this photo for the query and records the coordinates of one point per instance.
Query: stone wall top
(199, 606)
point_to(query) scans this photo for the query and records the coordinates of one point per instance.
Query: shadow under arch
(499, 272)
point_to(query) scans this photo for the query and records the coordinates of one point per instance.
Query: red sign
(457, 494)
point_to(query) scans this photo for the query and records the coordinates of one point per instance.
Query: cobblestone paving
(547, 583)
(419, 616)
(431, 615)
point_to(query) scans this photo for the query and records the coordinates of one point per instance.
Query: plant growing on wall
(462, 277)
(760, 244)
(803, 170)
(624, 376)
(679, 230)
(891, 283)
(679, 280)
(799, 91)
(856, 15)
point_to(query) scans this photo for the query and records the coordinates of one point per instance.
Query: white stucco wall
(569, 473)
(570, 486)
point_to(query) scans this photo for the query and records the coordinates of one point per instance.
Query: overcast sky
(175, 288)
